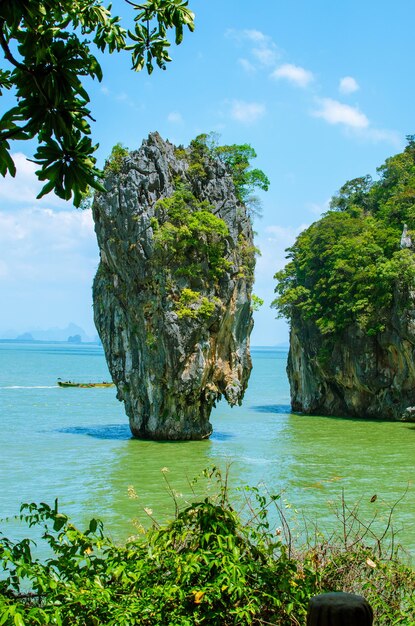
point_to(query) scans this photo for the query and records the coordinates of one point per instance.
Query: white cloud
(356, 122)
(247, 112)
(47, 263)
(41, 242)
(348, 85)
(29, 224)
(285, 235)
(24, 187)
(12, 229)
(247, 66)
(263, 49)
(378, 135)
(318, 209)
(278, 238)
(293, 73)
(265, 55)
(257, 36)
(335, 112)
(122, 97)
(273, 243)
(175, 118)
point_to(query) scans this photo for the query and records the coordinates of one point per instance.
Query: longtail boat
(70, 383)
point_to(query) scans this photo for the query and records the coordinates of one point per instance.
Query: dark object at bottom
(339, 609)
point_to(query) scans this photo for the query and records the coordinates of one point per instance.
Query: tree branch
(15, 131)
(8, 55)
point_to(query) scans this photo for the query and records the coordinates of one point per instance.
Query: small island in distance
(72, 333)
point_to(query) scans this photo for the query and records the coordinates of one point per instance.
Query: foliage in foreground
(48, 49)
(205, 567)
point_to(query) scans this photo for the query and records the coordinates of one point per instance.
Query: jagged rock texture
(358, 375)
(169, 371)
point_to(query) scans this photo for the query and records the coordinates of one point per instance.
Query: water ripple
(30, 387)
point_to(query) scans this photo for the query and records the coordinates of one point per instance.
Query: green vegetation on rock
(115, 159)
(249, 252)
(189, 236)
(246, 179)
(190, 240)
(256, 302)
(237, 159)
(345, 268)
(192, 304)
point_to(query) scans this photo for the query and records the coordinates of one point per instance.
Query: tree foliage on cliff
(237, 158)
(187, 232)
(49, 48)
(345, 267)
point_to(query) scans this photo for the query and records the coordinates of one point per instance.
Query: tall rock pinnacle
(172, 292)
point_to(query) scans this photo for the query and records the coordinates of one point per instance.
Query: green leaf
(59, 521)
(49, 38)
(50, 186)
(18, 619)
(7, 164)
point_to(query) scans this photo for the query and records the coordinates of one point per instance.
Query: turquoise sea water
(76, 444)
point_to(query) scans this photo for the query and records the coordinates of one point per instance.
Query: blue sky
(323, 91)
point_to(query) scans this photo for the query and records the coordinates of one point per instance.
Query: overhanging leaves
(47, 48)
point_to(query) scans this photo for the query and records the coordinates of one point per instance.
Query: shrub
(189, 237)
(207, 566)
(115, 159)
(192, 304)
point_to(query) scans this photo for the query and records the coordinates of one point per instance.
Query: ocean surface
(75, 444)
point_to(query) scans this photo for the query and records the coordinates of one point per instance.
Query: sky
(323, 92)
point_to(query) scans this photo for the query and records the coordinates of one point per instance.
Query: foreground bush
(205, 567)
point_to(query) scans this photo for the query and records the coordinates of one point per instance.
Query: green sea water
(75, 444)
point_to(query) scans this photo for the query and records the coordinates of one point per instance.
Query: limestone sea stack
(360, 376)
(172, 294)
(348, 291)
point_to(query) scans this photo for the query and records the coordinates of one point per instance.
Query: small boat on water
(70, 383)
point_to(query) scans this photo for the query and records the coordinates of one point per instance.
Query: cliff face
(348, 290)
(172, 298)
(358, 375)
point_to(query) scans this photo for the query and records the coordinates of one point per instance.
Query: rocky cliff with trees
(348, 291)
(172, 294)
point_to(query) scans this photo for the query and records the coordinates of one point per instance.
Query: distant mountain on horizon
(71, 330)
(49, 334)
(284, 345)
